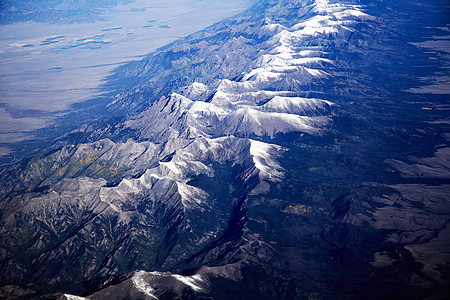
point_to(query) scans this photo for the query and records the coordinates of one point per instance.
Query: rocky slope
(277, 154)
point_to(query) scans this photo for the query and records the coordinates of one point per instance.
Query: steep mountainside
(299, 150)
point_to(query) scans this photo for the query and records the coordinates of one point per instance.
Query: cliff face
(288, 152)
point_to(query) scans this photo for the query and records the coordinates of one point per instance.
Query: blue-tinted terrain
(55, 54)
(54, 11)
(297, 150)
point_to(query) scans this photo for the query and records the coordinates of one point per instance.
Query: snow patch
(140, 284)
(190, 194)
(262, 158)
(191, 281)
(72, 297)
(172, 167)
(296, 105)
(249, 121)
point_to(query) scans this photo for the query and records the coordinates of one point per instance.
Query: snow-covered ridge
(263, 154)
(142, 282)
(200, 126)
(266, 99)
(141, 285)
(197, 122)
(221, 121)
(72, 297)
(205, 124)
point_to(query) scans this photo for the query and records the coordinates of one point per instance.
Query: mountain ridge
(257, 176)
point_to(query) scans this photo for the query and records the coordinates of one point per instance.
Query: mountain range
(299, 150)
